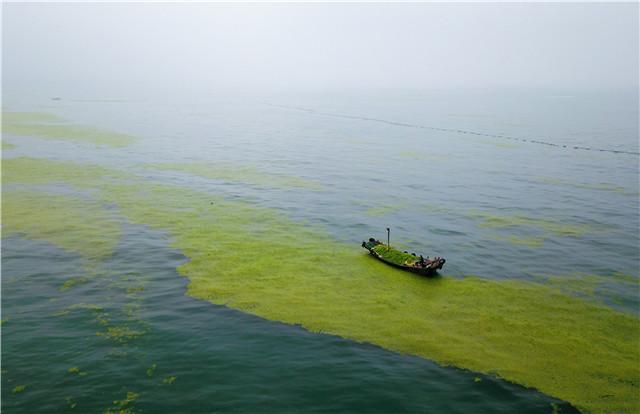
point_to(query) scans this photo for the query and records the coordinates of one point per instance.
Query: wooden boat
(403, 260)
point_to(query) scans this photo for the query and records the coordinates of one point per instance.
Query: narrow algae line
(12, 117)
(589, 186)
(382, 210)
(26, 170)
(559, 228)
(257, 261)
(48, 126)
(238, 173)
(78, 133)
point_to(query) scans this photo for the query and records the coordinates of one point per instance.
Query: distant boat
(403, 260)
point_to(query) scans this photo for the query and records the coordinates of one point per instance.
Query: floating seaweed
(18, 389)
(123, 406)
(151, 370)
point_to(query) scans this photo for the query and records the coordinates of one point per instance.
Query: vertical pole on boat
(388, 238)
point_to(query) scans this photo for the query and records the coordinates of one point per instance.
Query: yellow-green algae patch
(123, 406)
(76, 371)
(97, 309)
(384, 209)
(74, 281)
(47, 126)
(558, 229)
(9, 117)
(73, 224)
(243, 174)
(18, 389)
(7, 146)
(122, 334)
(531, 242)
(256, 260)
(25, 170)
(493, 221)
(588, 186)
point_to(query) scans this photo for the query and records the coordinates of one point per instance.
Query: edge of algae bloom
(74, 222)
(258, 261)
(255, 260)
(71, 223)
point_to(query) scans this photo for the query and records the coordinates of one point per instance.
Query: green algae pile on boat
(540, 336)
(403, 260)
(395, 256)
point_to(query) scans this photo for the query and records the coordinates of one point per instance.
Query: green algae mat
(259, 261)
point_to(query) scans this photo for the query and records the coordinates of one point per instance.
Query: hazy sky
(285, 46)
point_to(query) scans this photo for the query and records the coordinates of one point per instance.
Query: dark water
(222, 360)
(439, 190)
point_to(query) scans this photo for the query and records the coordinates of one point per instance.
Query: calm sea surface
(529, 186)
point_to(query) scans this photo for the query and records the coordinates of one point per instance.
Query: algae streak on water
(560, 228)
(46, 126)
(256, 260)
(242, 174)
(9, 117)
(384, 209)
(25, 170)
(525, 332)
(589, 186)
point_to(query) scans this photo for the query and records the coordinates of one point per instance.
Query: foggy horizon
(263, 47)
